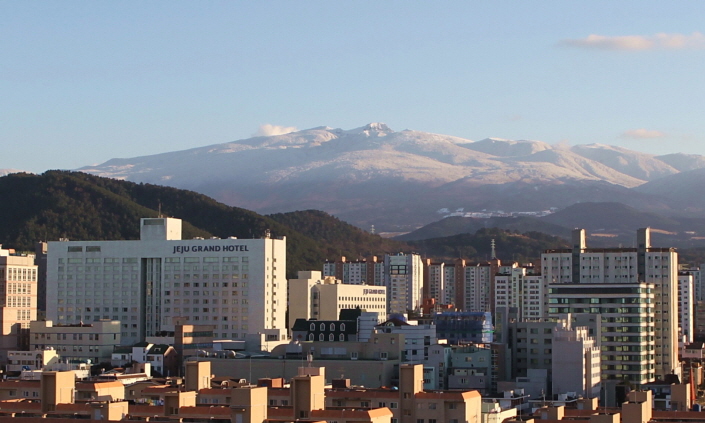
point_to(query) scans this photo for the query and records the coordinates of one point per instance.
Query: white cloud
(642, 134)
(660, 41)
(268, 130)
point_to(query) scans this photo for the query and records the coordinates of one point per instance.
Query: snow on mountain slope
(508, 148)
(683, 162)
(364, 153)
(633, 163)
(382, 174)
(578, 167)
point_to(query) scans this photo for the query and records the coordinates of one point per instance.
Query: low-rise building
(77, 342)
(417, 337)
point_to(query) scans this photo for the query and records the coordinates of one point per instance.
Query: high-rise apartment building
(465, 286)
(686, 307)
(237, 285)
(18, 297)
(592, 270)
(627, 316)
(401, 273)
(523, 289)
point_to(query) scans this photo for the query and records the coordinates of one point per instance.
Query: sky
(83, 82)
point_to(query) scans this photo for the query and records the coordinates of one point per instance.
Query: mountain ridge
(363, 175)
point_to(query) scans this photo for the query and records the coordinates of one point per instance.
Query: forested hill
(341, 239)
(74, 205)
(510, 245)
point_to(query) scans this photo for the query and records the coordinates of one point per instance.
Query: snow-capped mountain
(373, 173)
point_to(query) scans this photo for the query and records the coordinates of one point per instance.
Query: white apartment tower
(686, 307)
(238, 286)
(18, 297)
(575, 360)
(627, 324)
(404, 281)
(519, 287)
(643, 264)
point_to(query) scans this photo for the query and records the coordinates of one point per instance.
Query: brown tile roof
(19, 384)
(451, 395)
(349, 413)
(19, 405)
(364, 393)
(98, 385)
(204, 410)
(145, 410)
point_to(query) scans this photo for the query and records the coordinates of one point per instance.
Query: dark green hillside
(63, 204)
(524, 247)
(455, 225)
(340, 238)
(75, 205)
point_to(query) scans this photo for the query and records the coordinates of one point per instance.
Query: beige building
(18, 298)
(80, 342)
(314, 297)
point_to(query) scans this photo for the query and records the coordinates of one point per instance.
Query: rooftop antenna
(160, 209)
(493, 255)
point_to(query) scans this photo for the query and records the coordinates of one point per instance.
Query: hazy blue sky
(82, 81)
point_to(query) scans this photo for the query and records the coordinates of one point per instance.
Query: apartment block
(686, 308)
(649, 269)
(402, 275)
(18, 298)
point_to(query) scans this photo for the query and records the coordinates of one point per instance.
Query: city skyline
(84, 83)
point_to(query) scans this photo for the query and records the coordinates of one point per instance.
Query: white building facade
(522, 289)
(643, 264)
(686, 307)
(236, 285)
(18, 297)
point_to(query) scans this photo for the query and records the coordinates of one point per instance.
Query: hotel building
(237, 285)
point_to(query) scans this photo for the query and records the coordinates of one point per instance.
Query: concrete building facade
(314, 297)
(238, 285)
(597, 268)
(77, 342)
(18, 298)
